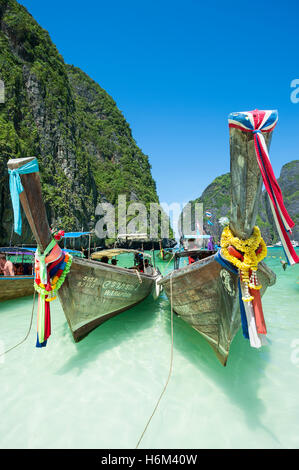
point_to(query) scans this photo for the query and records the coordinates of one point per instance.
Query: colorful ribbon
(231, 268)
(16, 188)
(51, 268)
(252, 319)
(259, 122)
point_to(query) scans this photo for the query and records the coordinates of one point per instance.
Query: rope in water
(170, 367)
(23, 340)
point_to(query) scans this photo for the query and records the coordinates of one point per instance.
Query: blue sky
(176, 69)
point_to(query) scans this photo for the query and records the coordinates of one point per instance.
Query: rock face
(216, 199)
(57, 113)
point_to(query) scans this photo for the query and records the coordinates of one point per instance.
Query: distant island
(216, 200)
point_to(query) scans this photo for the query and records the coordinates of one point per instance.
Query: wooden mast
(32, 202)
(246, 182)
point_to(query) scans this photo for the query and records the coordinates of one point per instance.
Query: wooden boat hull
(205, 295)
(93, 292)
(13, 287)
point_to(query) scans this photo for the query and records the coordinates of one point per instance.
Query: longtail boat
(92, 291)
(206, 293)
(21, 284)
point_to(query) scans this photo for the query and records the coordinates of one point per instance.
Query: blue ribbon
(40, 345)
(230, 267)
(16, 188)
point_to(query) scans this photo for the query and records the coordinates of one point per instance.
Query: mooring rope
(138, 275)
(170, 367)
(167, 264)
(23, 340)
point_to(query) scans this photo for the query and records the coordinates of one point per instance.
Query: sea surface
(100, 393)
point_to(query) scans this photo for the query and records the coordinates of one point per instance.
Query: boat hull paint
(93, 292)
(14, 287)
(205, 295)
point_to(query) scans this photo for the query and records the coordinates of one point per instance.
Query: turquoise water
(99, 393)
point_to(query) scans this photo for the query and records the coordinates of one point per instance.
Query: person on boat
(105, 259)
(211, 246)
(141, 266)
(6, 266)
(20, 270)
(148, 269)
(114, 262)
(137, 257)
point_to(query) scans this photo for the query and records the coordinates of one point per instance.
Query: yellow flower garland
(251, 259)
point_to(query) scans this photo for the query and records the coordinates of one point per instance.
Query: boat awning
(75, 234)
(183, 254)
(16, 250)
(196, 236)
(133, 236)
(77, 253)
(115, 252)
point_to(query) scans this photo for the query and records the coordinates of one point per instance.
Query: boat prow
(92, 291)
(206, 293)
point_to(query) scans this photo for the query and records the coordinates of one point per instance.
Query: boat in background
(165, 254)
(93, 291)
(205, 294)
(21, 284)
(193, 247)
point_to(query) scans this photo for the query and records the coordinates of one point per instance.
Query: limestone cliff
(54, 111)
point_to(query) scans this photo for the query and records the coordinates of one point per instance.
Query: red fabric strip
(47, 320)
(273, 181)
(258, 312)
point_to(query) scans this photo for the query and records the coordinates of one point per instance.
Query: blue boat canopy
(72, 252)
(15, 250)
(75, 234)
(196, 236)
